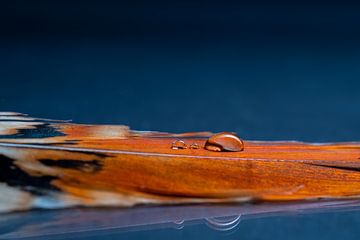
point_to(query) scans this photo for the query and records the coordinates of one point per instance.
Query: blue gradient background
(266, 70)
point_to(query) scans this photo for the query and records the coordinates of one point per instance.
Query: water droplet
(178, 144)
(194, 146)
(224, 141)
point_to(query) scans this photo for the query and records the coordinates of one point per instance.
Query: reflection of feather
(93, 223)
(54, 164)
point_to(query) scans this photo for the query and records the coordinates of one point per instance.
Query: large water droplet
(224, 141)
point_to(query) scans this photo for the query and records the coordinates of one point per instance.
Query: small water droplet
(178, 144)
(194, 146)
(224, 141)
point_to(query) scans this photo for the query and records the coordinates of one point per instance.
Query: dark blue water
(266, 71)
(316, 226)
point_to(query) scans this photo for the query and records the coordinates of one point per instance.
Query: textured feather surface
(55, 164)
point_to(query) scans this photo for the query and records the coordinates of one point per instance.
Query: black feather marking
(66, 142)
(39, 131)
(14, 176)
(97, 154)
(347, 168)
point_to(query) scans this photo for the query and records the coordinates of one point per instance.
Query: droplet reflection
(179, 224)
(223, 224)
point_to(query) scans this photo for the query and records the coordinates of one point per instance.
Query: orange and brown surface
(55, 164)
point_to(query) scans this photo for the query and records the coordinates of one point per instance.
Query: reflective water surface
(226, 221)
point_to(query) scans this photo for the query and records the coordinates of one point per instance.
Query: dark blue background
(265, 70)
